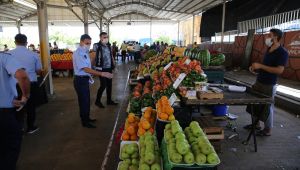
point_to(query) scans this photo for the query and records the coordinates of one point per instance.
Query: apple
(206, 149)
(135, 155)
(168, 127)
(149, 148)
(200, 158)
(180, 136)
(168, 135)
(133, 167)
(144, 167)
(213, 158)
(155, 166)
(182, 147)
(130, 149)
(189, 158)
(202, 140)
(123, 166)
(176, 158)
(175, 129)
(149, 158)
(124, 155)
(135, 161)
(128, 161)
(192, 139)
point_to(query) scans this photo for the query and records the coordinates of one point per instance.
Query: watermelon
(217, 59)
(204, 57)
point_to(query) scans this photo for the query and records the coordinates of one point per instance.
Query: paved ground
(62, 144)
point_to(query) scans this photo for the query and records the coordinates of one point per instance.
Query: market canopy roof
(110, 10)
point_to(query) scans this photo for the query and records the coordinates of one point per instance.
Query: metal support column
(44, 42)
(150, 31)
(178, 41)
(108, 30)
(19, 26)
(223, 24)
(85, 18)
(193, 29)
(101, 25)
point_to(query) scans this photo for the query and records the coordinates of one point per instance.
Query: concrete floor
(62, 144)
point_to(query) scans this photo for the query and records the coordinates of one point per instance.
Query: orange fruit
(163, 116)
(169, 110)
(140, 124)
(146, 125)
(164, 98)
(131, 130)
(141, 131)
(152, 120)
(133, 137)
(147, 115)
(131, 118)
(125, 136)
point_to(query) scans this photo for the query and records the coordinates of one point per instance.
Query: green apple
(135, 155)
(202, 140)
(144, 167)
(155, 166)
(213, 158)
(175, 129)
(130, 149)
(200, 158)
(124, 155)
(168, 126)
(128, 161)
(176, 158)
(149, 158)
(148, 134)
(168, 135)
(133, 167)
(189, 158)
(135, 161)
(192, 139)
(149, 148)
(123, 166)
(182, 147)
(173, 122)
(179, 136)
(206, 149)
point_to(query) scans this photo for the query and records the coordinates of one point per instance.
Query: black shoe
(32, 130)
(112, 103)
(99, 104)
(92, 120)
(88, 125)
(249, 127)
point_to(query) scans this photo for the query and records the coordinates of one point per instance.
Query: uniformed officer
(10, 129)
(83, 72)
(30, 61)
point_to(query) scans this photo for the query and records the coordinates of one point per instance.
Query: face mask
(269, 42)
(87, 47)
(105, 41)
(31, 48)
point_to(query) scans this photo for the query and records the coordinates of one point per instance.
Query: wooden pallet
(211, 128)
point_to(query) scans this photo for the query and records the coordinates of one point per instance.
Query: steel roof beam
(194, 6)
(143, 4)
(8, 16)
(185, 5)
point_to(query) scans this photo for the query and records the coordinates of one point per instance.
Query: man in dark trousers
(82, 79)
(104, 62)
(10, 128)
(31, 62)
(267, 72)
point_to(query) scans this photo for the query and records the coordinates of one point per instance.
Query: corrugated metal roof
(60, 10)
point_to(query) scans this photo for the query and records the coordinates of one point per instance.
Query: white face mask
(269, 42)
(105, 41)
(87, 48)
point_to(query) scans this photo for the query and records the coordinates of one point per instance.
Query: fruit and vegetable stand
(62, 61)
(159, 132)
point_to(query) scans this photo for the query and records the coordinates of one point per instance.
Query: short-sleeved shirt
(278, 57)
(106, 57)
(137, 47)
(29, 60)
(124, 47)
(81, 60)
(8, 67)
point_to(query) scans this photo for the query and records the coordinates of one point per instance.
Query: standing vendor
(82, 79)
(273, 64)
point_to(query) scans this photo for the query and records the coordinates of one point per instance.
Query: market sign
(293, 46)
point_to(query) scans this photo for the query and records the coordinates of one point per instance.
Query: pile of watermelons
(205, 57)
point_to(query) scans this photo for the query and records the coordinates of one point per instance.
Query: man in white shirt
(30, 61)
